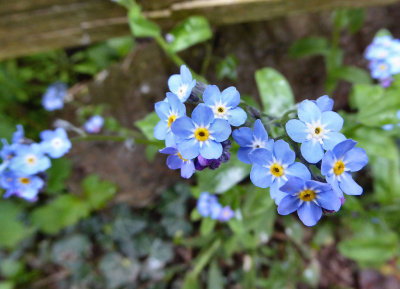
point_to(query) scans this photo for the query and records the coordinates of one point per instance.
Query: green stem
(204, 259)
(115, 138)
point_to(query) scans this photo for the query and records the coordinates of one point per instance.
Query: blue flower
(29, 160)
(168, 111)
(226, 214)
(176, 161)
(202, 134)
(206, 204)
(394, 63)
(54, 97)
(250, 140)
(338, 163)
(224, 105)
(380, 69)
(94, 124)
(315, 130)
(324, 103)
(308, 198)
(273, 168)
(16, 184)
(379, 48)
(18, 136)
(7, 151)
(388, 126)
(182, 84)
(55, 143)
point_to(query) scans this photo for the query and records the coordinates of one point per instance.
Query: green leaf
(190, 282)
(58, 173)
(275, 91)
(12, 231)
(386, 179)
(207, 226)
(309, 46)
(383, 32)
(375, 249)
(215, 278)
(350, 18)
(97, 192)
(193, 30)
(140, 26)
(353, 74)
(62, 212)
(6, 285)
(227, 68)
(147, 124)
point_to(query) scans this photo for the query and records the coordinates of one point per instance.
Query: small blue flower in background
(380, 69)
(18, 136)
(94, 124)
(208, 206)
(168, 112)
(338, 163)
(324, 103)
(26, 187)
(29, 160)
(176, 161)
(226, 214)
(273, 168)
(250, 140)
(54, 96)
(202, 134)
(55, 143)
(315, 130)
(308, 198)
(225, 104)
(388, 126)
(182, 84)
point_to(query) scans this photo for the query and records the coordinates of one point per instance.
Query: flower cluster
(54, 96)
(317, 144)
(202, 140)
(24, 161)
(208, 206)
(383, 55)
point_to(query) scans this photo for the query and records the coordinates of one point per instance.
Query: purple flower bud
(386, 82)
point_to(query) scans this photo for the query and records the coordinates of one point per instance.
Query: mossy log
(29, 26)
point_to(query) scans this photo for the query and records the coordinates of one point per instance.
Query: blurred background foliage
(86, 240)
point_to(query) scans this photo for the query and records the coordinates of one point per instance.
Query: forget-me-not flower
(16, 184)
(94, 124)
(168, 112)
(338, 163)
(226, 214)
(54, 96)
(273, 168)
(202, 134)
(225, 104)
(315, 130)
(55, 143)
(250, 140)
(176, 161)
(308, 198)
(324, 103)
(29, 160)
(182, 84)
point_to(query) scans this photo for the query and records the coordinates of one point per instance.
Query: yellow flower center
(317, 130)
(171, 119)
(382, 67)
(338, 168)
(277, 170)
(307, 195)
(201, 134)
(24, 181)
(221, 109)
(31, 160)
(180, 156)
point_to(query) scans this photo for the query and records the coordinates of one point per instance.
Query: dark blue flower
(273, 168)
(225, 104)
(315, 130)
(249, 140)
(55, 143)
(168, 111)
(202, 134)
(176, 161)
(308, 198)
(182, 84)
(338, 163)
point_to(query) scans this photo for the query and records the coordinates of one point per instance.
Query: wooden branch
(29, 26)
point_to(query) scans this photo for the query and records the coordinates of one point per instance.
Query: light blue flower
(175, 161)
(338, 163)
(379, 48)
(54, 97)
(380, 69)
(225, 104)
(7, 151)
(18, 136)
(308, 198)
(206, 203)
(16, 184)
(168, 111)
(315, 130)
(202, 134)
(388, 126)
(394, 63)
(273, 168)
(182, 84)
(55, 143)
(94, 124)
(29, 160)
(249, 140)
(324, 103)
(226, 214)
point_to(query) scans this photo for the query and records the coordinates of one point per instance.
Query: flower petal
(308, 111)
(174, 83)
(298, 170)
(243, 136)
(176, 105)
(185, 74)
(329, 200)
(288, 205)
(348, 185)
(259, 130)
(170, 140)
(189, 148)
(187, 169)
(283, 152)
(243, 154)
(237, 116)
(276, 194)
(293, 186)
(174, 162)
(260, 176)
(297, 130)
(230, 96)
(211, 95)
(211, 150)
(332, 120)
(220, 130)
(309, 213)
(355, 159)
(324, 103)
(312, 151)
(202, 115)
(162, 109)
(260, 156)
(343, 147)
(183, 127)
(332, 139)
(168, 150)
(328, 161)
(160, 130)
